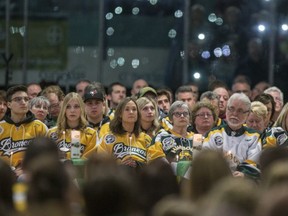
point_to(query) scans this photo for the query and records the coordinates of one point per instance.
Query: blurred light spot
(118, 10)
(284, 27)
(110, 52)
(121, 61)
(219, 21)
(135, 63)
(172, 33)
(79, 49)
(94, 54)
(201, 36)
(218, 52)
(20, 30)
(178, 14)
(135, 11)
(226, 50)
(212, 17)
(261, 28)
(110, 31)
(182, 54)
(113, 63)
(109, 16)
(205, 54)
(197, 75)
(153, 2)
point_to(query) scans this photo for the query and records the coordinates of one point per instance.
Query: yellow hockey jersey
(124, 146)
(15, 138)
(87, 141)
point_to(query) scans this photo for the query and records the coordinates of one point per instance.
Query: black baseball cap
(93, 94)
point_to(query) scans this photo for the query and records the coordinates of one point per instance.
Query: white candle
(11, 158)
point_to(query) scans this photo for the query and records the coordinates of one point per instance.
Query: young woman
(149, 115)
(72, 122)
(125, 141)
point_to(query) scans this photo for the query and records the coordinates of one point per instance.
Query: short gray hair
(39, 100)
(274, 89)
(240, 97)
(210, 95)
(175, 105)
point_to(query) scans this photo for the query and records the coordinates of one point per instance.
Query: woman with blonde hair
(71, 128)
(282, 120)
(148, 116)
(271, 136)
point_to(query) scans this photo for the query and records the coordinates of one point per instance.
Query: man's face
(242, 88)
(94, 108)
(223, 98)
(33, 91)
(138, 85)
(81, 87)
(3, 108)
(236, 114)
(118, 94)
(55, 105)
(19, 103)
(186, 97)
(278, 100)
(195, 91)
(163, 103)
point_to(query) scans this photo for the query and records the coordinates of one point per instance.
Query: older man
(239, 144)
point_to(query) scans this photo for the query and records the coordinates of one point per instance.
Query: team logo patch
(218, 140)
(54, 136)
(281, 139)
(168, 143)
(1, 130)
(110, 139)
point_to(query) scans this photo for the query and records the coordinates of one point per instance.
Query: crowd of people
(150, 152)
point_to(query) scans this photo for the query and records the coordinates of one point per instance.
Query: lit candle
(130, 144)
(11, 158)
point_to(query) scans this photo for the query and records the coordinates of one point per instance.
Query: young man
(185, 94)
(95, 109)
(18, 127)
(116, 93)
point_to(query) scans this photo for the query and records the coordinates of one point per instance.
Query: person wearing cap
(147, 92)
(94, 101)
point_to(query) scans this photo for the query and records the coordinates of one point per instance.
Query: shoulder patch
(109, 139)
(168, 143)
(54, 136)
(281, 139)
(218, 140)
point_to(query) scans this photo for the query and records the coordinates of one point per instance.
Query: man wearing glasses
(240, 145)
(18, 127)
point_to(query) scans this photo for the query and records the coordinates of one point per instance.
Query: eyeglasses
(179, 114)
(238, 111)
(19, 99)
(204, 115)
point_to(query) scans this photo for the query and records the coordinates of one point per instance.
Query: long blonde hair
(62, 119)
